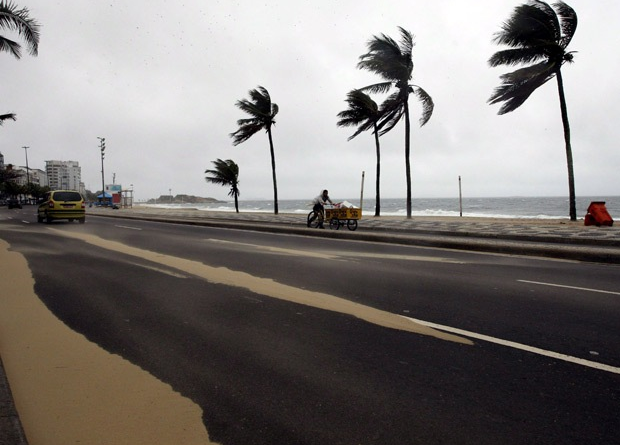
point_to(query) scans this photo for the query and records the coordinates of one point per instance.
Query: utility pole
(27, 168)
(102, 147)
(460, 198)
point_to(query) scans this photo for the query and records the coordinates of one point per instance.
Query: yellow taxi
(62, 204)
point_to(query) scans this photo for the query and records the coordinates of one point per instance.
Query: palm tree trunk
(569, 150)
(237, 202)
(407, 162)
(273, 172)
(378, 194)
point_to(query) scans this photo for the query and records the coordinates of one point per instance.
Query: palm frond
(516, 56)
(406, 42)
(378, 88)
(427, 104)
(251, 108)
(517, 86)
(10, 46)
(387, 59)
(532, 22)
(246, 131)
(363, 112)
(6, 117)
(18, 20)
(392, 111)
(568, 22)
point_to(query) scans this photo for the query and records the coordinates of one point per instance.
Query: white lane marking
(512, 344)
(570, 287)
(25, 222)
(336, 255)
(128, 227)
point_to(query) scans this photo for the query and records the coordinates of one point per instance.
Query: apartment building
(64, 175)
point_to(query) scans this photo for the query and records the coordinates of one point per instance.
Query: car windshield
(67, 196)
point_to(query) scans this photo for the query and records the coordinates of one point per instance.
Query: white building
(34, 175)
(64, 175)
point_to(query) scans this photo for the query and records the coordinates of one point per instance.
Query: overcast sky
(159, 80)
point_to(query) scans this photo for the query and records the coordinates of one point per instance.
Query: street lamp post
(27, 173)
(102, 147)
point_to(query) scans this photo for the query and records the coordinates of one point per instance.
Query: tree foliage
(18, 20)
(225, 173)
(538, 35)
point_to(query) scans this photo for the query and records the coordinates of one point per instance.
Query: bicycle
(315, 219)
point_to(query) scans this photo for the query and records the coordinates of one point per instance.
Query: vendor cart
(339, 216)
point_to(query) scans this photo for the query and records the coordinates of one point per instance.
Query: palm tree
(393, 62)
(226, 173)
(537, 35)
(363, 112)
(263, 112)
(17, 20)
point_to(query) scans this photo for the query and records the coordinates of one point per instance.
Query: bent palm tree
(263, 112)
(364, 113)
(226, 173)
(17, 20)
(393, 62)
(538, 35)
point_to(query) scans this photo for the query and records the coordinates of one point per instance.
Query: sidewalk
(545, 238)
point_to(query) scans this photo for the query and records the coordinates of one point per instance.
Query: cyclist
(318, 208)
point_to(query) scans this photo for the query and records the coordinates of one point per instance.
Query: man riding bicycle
(319, 208)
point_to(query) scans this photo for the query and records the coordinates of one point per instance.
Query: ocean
(512, 207)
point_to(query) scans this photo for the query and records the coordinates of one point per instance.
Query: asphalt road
(216, 314)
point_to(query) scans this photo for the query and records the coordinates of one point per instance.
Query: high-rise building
(64, 175)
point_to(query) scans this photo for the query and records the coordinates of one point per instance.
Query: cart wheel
(334, 223)
(352, 224)
(314, 223)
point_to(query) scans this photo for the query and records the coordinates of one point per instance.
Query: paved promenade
(557, 238)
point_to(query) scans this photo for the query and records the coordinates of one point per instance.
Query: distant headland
(181, 199)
